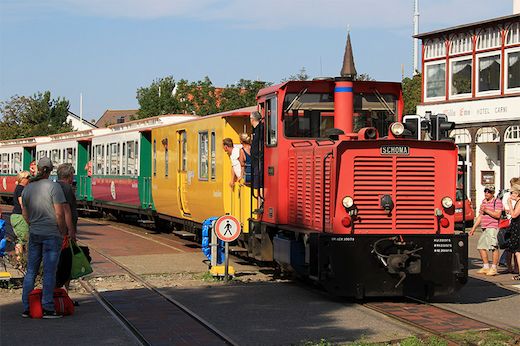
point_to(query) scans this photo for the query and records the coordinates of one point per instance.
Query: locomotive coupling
(398, 256)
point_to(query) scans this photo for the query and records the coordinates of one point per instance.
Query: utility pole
(415, 40)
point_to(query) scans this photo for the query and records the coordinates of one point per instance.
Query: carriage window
(17, 162)
(203, 155)
(136, 160)
(5, 163)
(69, 156)
(154, 157)
(11, 168)
(114, 158)
(271, 122)
(99, 159)
(374, 110)
(308, 114)
(213, 156)
(125, 161)
(166, 157)
(130, 147)
(55, 157)
(184, 151)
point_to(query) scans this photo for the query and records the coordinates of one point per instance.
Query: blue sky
(107, 49)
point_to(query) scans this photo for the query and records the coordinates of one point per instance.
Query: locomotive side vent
(410, 182)
(301, 179)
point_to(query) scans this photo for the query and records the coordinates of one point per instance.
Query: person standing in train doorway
(257, 157)
(490, 212)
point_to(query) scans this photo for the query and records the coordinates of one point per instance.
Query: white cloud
(283, 13)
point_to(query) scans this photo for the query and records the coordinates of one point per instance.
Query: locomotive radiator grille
(301, 177)
(412, 190)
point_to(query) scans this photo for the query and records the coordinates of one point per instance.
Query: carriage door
(182, 175)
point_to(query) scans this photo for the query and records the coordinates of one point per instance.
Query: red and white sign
(227, 228)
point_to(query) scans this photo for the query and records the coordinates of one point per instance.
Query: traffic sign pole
(226, 268)
(227, 228)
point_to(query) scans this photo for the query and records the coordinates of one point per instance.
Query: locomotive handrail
(303, 144)
(319, 142)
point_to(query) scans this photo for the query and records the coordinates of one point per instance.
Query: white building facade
(472, 74)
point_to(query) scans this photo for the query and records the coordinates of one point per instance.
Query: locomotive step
(184, 234)
(237, 249)
(146, 222)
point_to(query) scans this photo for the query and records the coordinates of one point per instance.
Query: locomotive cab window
(374, 110)
(308, 115)
(271, 122)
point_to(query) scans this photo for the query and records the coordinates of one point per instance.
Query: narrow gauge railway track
(153, 317)
(432, 319)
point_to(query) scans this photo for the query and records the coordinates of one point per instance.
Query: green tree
(38, 115)
(412, 93)
(364, 77)
(158, 98)
(301, 75)
(242, 94)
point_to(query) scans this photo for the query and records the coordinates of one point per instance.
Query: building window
(435, 80)
(203, 155)
(461, 72)
(489, 73)
(120, 120)
(487, 135)
(513, 35)
(461, 43)
(513, 70)
(489, 38)
(461, 136)
(435, 49)
(512, 134)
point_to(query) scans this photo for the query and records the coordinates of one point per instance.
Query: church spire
(349, 69)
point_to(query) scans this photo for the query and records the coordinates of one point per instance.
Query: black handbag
(503, 236)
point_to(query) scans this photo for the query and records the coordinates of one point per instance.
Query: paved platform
(253, 313)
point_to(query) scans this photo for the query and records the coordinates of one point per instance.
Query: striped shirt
(488, 221)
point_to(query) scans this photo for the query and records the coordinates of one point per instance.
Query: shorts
(488, 240)
(20, 228)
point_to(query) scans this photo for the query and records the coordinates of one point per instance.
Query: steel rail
(118, 316)
(176, 303)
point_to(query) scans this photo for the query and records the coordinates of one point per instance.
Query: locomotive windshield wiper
(382, 100)
(303, 91)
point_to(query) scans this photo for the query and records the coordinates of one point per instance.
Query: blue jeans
(48, 248)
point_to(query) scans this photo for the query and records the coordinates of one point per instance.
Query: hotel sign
(476, 111)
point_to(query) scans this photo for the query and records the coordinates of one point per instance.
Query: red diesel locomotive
(353, 197)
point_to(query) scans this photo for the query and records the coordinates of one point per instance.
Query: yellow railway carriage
(191, 171)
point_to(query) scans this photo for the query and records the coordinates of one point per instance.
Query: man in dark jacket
(257, 150)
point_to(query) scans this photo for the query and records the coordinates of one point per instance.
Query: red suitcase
(62, 303)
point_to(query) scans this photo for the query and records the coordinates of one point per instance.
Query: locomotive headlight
(447, 202)
(397, 129)
(348, 202)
